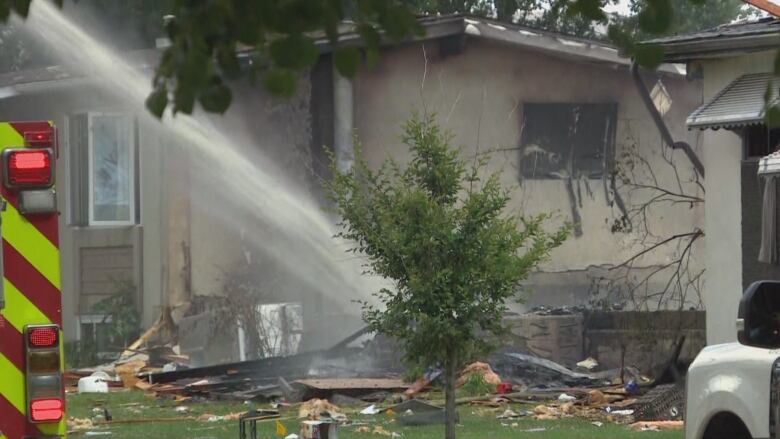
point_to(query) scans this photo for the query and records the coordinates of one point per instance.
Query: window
(92, 332)
(567, 140)
(760, 141)
(111, 174)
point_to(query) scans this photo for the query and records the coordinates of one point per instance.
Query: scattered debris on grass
(657, 425)
(320, 409)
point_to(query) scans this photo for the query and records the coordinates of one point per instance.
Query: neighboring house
(735, 63)
(559, 114)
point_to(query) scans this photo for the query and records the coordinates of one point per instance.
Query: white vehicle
(733, 389)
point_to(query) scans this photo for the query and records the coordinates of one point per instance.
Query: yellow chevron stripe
(44, 257)
(52, 429)
(36, 248)
(9, 137)
(24, 311)
(12, 384)
(20, 233)
(12, 388)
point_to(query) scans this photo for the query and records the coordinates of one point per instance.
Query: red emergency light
(28, 167)
(46, 410)
(43, 336)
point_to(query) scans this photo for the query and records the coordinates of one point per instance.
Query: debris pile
(317, 384)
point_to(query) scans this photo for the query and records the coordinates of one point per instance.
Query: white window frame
(90, 319)
(91, 167)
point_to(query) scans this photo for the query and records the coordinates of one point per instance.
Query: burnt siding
(752, 194)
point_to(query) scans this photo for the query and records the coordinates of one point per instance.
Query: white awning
(769, 164)
(741, 103)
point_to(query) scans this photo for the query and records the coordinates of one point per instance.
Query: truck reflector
(44, 410)
(38, 139)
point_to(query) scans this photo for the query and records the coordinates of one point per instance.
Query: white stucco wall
(478, 96)
(722, 155)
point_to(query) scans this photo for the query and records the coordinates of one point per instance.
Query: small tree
(439, 233)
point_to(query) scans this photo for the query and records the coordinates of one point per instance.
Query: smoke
(234, 181)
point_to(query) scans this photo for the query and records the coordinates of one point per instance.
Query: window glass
(567, 140)
(112, 197)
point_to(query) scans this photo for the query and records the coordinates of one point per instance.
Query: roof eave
(435, 27)
(719, 47)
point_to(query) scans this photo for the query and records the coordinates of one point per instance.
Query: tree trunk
(451, 372)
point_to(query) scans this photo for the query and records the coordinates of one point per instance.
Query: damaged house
(736, 64)
(560, 117)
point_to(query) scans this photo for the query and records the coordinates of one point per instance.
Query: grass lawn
(476, 422)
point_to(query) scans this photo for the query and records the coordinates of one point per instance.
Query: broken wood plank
(355, 383)
(130, 350)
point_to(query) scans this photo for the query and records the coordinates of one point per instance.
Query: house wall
(92, 256)
(194, 230)
(722, 156)
(477, 95)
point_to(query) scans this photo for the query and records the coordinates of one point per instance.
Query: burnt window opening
(559, 141)
(760, 140)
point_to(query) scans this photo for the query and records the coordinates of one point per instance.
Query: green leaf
(589, 9)
(22, 7)
(372, 41)
(183, 98)
(772, 116)
(281, 82)
(649, 56)
(656, 16)
(5, 10)
(370, 36)
(621, 38)
(157, 101)
(216, 97)
(228, 61)
(398, 22)
(347, 60)
(295, 52)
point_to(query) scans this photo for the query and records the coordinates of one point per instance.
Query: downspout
(659, 122)
(343, 121)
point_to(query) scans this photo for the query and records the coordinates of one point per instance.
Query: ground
(134, 413)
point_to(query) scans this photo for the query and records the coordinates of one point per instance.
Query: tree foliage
(439, 232)
(553, 15)
(283, 36)
(205, 38)
(691, 16)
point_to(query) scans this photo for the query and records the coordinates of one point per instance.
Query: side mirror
(758, 321)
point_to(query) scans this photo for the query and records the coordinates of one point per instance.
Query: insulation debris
(481, 369)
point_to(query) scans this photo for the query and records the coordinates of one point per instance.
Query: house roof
(436, 27)
(724, 40)
(740, 103)
(516, 35)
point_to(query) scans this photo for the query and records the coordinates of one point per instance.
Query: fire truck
(32, 397)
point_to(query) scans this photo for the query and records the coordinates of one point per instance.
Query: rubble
(417, 412)
(318, 409)
(323, 382)
(657, 425)
(535, 372)
(483, 369)
(589, 363)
